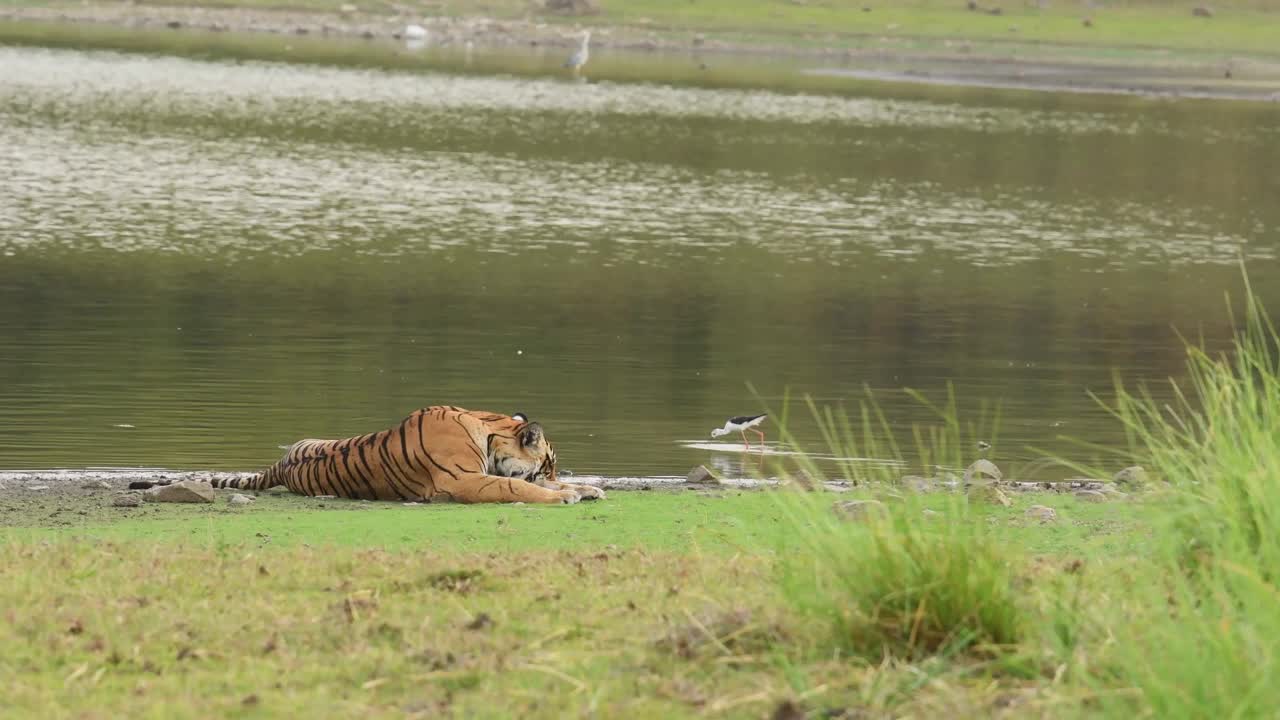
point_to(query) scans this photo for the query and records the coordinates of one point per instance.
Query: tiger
(437, 454)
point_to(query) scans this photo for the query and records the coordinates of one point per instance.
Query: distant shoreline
(978, 64)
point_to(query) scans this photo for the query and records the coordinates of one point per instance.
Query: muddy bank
(91, 497)
(96, 480)
(119, 478)
(88, 497)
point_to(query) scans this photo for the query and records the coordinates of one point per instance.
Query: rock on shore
(182, 492)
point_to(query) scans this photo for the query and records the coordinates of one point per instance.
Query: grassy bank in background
(1236, 27)
(930, 49)
(1240, 26)
(673, 68)
(1131, 37)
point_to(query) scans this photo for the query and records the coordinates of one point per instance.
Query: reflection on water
(224, 198)
(201, 261)
(58, 81)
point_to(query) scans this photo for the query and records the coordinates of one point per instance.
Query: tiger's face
(524, 454)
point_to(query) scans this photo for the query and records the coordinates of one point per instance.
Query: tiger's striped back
(436, 453)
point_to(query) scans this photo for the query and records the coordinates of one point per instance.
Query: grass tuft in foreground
(895, 585)
(893, 582)
(1204, 642)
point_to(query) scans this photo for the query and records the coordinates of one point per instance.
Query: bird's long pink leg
(761, 438)
(744, 440)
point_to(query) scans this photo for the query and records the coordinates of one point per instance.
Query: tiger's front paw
(589, 492)
(568, 497)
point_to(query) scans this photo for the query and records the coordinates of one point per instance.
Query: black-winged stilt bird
(741, 424)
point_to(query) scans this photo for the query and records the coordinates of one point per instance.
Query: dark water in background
(202, 261)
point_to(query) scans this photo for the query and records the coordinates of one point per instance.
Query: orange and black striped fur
(437, 454)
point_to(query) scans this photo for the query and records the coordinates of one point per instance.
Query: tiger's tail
(256, 482)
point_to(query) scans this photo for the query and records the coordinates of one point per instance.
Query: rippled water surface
(202, 261)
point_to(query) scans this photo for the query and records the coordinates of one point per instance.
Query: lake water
(202, 261)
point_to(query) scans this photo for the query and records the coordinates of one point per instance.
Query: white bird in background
(579, 56)
(741, 424)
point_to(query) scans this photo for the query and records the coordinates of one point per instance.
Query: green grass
(900, 585)
(455, 611)
(1206, 646)
(715, 522)
(650, 604)
(894, 587)
(1241, 26)
(159, 631)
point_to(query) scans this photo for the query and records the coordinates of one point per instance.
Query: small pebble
(1042, 513)
(130, 500)
(1090, 495)
(238, 499)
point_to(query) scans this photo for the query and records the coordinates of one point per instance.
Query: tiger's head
(524, 453)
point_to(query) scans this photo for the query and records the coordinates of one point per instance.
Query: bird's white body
(580, 56)
(741, 424)
(415, 32)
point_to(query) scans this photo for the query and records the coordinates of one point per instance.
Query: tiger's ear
(520, 417)
(531, 434)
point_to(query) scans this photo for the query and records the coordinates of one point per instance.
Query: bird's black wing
(743, 419)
